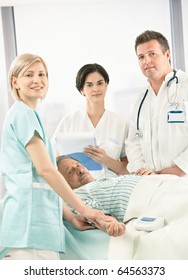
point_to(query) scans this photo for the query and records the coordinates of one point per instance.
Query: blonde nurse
(32, 225)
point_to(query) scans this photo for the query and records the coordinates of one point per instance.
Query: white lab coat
(110, 133)
(163, 144)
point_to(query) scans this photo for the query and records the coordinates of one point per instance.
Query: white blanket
(156, 195)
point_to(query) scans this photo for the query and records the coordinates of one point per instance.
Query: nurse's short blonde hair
(23, 61)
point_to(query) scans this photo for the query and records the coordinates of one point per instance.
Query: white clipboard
(74, 143)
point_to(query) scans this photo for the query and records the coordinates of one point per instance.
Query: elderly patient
(110, 194)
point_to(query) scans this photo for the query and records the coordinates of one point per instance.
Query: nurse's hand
(106, 223)
(144, 171)
(80, 223)
(97, 154)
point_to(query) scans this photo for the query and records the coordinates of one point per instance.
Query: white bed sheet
(156, 195)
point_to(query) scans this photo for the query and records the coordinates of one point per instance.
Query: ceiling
(6, 3)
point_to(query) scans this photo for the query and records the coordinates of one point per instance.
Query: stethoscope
(139, 132)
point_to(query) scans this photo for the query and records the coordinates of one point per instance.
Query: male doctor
(158, 135)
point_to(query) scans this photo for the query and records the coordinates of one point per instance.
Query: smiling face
(31, 83)
(74, 173)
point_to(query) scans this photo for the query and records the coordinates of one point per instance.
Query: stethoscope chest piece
(139, 134)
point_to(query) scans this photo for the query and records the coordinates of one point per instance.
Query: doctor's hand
(172, 170)
(144, 171)
(97, 154)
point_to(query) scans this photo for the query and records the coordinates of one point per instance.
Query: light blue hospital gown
(32, 215)
(111, 194)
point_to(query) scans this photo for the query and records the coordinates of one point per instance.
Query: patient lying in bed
(111, 194)
(150, 196)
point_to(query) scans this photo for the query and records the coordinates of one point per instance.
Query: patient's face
(74, 173)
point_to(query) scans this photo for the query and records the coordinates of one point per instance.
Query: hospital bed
(163, 196)
(154, 196)
(158, 195)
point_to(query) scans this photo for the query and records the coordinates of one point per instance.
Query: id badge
(176, 116)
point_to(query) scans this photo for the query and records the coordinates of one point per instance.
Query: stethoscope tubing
(144, 97)
(139, 109)
(174, 77)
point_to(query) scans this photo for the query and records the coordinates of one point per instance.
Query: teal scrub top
(32, 216)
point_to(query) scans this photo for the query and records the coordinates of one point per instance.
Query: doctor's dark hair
(88, 69)
(149, 35)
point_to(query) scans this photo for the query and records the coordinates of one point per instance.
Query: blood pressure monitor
(148, 223)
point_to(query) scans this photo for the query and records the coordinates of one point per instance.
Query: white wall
(73, 33)
(185, 30)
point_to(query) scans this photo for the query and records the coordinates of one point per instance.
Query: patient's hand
(111, 226)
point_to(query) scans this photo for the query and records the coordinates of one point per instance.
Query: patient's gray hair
(63, 157)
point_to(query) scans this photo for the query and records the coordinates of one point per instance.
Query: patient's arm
(108, 224)
(111, 226)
